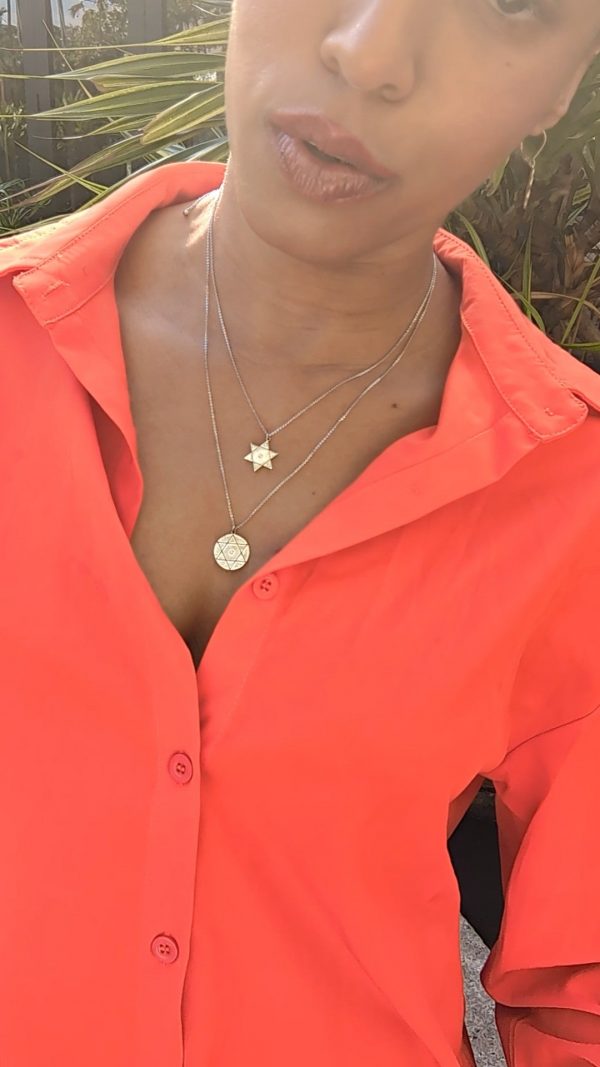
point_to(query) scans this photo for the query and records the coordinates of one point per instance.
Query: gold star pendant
(261, 456)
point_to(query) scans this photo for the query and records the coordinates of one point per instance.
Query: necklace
(231, 551)
(261, 455)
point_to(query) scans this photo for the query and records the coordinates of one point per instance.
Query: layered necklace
(231, 551)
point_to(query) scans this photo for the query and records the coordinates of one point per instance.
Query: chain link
(414, 326)
(268, 435)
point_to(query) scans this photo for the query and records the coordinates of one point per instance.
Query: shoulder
(58, 266)
(154, 259)
(524, 361)
(104, 226)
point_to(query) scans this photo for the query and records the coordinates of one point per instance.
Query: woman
(235, 744)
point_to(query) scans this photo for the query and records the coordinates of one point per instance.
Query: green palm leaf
(138, 101)
(121, 72)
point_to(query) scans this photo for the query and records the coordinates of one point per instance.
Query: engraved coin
(231, 552)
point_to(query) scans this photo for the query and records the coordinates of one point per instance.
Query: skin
(417, 82)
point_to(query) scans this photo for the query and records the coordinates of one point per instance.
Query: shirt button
(165, 948)
(181, 767)
(266, 587)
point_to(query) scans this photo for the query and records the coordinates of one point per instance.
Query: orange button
(181, 767)
(266, 587)
(165, 948)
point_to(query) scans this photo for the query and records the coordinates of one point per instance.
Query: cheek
(257, 44)
(483, 120)
(266, 33)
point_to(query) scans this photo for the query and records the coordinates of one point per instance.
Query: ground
(480, 1009)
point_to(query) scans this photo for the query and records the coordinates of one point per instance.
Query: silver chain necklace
(261, 456)
(231, 551)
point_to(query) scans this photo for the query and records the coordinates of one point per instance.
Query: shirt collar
(509, 389)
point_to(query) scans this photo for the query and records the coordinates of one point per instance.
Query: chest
(184, 509)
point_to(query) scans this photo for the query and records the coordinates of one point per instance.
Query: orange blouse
(247, 865)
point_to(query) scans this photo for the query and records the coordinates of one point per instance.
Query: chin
(312, 232)
(304, 236)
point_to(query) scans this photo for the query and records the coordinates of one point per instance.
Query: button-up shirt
(246, 864)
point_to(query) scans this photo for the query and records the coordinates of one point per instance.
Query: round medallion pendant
(231, 552)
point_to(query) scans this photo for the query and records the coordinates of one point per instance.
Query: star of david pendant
(231, 552)
(261, 456)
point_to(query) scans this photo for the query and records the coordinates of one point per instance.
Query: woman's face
(440, 91)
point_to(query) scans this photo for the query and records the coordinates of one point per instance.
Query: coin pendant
(231, 552)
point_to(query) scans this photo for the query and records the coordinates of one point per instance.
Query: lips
(317, 130)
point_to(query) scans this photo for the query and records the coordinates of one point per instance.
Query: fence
(39, 25)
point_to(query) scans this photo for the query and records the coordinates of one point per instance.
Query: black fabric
(475, 857)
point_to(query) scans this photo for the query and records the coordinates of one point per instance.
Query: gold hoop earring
(533, 164)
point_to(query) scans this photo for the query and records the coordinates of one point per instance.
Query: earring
(533, 164)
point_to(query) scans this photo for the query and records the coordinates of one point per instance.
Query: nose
(372, 47)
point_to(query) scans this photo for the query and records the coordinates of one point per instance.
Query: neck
(287, 311)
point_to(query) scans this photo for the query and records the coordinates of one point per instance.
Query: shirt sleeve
(544, 970)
